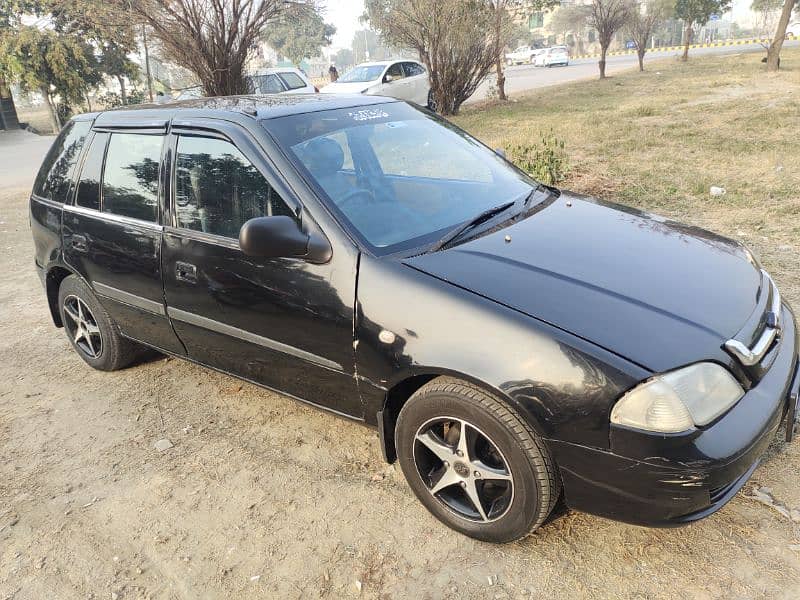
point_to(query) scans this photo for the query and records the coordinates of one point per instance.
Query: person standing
(333, 74)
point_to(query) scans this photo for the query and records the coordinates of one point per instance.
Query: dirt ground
(261, 496)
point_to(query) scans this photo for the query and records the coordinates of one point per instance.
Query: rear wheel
(90, 330)
(474, 463)
(431, 101)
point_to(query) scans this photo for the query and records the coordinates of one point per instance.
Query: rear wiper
(474, 222)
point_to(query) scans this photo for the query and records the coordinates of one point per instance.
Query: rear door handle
(79, 243)
(185, 272)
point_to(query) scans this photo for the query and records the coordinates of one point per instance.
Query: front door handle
(185, 272)
(79, 243)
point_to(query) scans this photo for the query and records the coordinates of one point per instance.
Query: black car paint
(585, 301)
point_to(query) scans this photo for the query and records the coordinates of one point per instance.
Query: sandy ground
(263, 497)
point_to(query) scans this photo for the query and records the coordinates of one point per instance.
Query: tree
(644, 19)
(367, 45)
(774, 51)
(211, 38)
(114, 62)
(344, 58)
(451, 37)
(697, 12)
(504, 30)
(48, 62)
(572, 19)
(299, 34)
(608, 17)
(767, 14)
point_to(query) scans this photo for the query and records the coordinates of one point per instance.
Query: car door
(397, 87)
(280, 322)
(417, 81)
(112, 231)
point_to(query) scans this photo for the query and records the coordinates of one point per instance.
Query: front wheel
(474, 463)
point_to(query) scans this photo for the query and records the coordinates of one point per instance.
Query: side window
(55, 175)
(130, 179)
(267, 84)
(89, 186)
(217, 189)
(396, 71)
(413, 69)
(292, 80)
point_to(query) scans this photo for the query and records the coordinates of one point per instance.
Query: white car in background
(793, 30)
(557, 55)
(402, 79)
(522, 55)
(281, 80)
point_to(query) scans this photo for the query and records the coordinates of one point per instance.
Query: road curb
(674, 48)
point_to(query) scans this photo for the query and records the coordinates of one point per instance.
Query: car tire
(431, 101)
(501, 463)
(91, 331)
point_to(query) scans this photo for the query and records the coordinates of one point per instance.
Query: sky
(343, 14)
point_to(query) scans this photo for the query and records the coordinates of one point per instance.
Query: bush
(546, 161)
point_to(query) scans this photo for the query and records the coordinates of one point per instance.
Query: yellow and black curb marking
(675, 48)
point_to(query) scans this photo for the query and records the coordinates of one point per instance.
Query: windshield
(400, 177)
(362, 74)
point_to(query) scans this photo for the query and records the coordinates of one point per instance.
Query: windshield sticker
(368, 114)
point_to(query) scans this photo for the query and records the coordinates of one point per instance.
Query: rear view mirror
(273, 237)
(388, 79)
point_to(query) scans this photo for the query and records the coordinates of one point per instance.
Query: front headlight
(679, 400)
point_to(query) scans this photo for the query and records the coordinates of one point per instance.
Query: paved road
(21, 153)
(522, 78)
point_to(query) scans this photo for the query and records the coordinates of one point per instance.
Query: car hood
(347, 88)
(656, 292)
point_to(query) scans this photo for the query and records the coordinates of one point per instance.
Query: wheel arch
(400, 391)
(55, 275)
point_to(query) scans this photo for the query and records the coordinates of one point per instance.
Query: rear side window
(130, 179)
(54, 176)
(217, 189)
(292, 80)
(88, 194)
(413, 69)
(266, 84)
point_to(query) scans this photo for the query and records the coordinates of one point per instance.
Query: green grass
(658, 140)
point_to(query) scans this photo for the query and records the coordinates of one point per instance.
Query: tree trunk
(687, 40)
(147, 63)
(640, 53)
(774, 52)
(501, 80)
(55, 122)
(498, 26)
(602, 63)
(122, 93)
(88, 102)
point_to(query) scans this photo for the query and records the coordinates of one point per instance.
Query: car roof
(255, 106)
(383, 63)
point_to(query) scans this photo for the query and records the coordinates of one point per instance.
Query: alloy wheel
(82, 327)
(463, 469)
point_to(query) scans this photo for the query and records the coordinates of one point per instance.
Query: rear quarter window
(55, 174)
(292, 80)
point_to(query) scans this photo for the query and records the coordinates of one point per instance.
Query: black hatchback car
(511, 343)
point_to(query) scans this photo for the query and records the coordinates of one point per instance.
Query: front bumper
(663, 480)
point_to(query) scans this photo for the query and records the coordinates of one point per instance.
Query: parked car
(512, 344)
(522, 55)
(402, 79)
(793, 30)
(281, 80)
(558, 55)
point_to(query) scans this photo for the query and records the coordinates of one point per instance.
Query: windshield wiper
(474, 222)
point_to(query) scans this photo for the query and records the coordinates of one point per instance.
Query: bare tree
(608, 17)
(504, 12)
(211, 38)
(571, 19)
(451, 37)
(697, 12)
(645, 17)
(774, 52)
